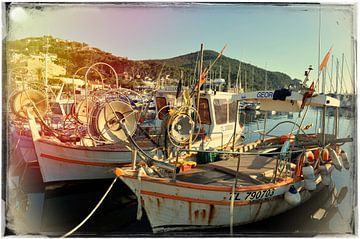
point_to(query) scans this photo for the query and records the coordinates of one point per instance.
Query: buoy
(309, 177)
(118, 172)
(325, 175)
(309, 184)
(326, 179)
(335, 159)
(345, 160)
(309, 157)
(308, 172)
(324, 154)
(285, 137)
(292, 196)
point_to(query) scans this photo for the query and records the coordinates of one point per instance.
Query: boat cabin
(217, 111)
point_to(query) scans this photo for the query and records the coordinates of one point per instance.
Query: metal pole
(323, 126)
(331, 75)
(265, 119)
(233, 197)
(253, 79)
(200, 67)
(337, 76)
(265, 77)
(342, 74)
(319, 46)
(229, 80)
(245, 89)
(239, 90)
(336, 122)
(236, 120)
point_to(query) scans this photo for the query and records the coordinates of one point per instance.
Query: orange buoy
(285, 137)
(118, 172)
(324, 155)
(310, 156)
(299, 163)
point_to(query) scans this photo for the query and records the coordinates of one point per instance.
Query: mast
(210, 78)
(200, 72)
(229, 82)
(239, 77)
(245, 89)
(238, 84)
(319, 46)
(342, 75)
(265, 78)
(337, 76)
(253, 79)
(46, 67)
(323, 80)
(331, 75)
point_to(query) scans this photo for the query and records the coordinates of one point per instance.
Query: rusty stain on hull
(190, 212)
(258, 211)
(158, 202)
(196, 213)
(211, 213)
(203, 214)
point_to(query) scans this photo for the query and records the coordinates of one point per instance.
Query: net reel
(181, 126)
(20, 101)
(108, 111)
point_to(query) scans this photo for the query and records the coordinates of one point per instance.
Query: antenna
(319, 46)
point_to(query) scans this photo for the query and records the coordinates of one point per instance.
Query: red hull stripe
(72, 161)
(216, 188)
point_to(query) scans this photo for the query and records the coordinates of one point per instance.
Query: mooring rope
(92, 212)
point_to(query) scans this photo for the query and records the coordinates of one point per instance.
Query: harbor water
(33, 208)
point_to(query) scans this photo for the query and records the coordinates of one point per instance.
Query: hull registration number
(256, 195)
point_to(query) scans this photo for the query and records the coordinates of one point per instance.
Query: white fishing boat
(259, 180)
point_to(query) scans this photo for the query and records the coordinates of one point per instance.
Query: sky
(278, 38)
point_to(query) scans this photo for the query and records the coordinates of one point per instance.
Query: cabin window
(232, 111)
(220, 106)
(204, 111)
(160, 104)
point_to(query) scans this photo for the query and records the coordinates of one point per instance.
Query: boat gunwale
(218, 188)
(100, 148)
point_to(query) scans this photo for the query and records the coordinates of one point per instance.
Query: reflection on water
(57, 208)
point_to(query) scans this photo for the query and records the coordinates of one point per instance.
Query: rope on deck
(93, 211)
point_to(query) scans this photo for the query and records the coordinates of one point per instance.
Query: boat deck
(253, 170)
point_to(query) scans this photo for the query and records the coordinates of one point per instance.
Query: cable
(92, 212)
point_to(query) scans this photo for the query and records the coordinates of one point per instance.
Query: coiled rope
(92, 212)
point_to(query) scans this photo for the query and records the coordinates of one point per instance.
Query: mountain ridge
(73, 55)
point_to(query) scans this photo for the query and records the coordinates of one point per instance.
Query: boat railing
(222, 138)
(279, 161)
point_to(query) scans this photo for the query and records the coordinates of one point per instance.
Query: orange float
(285, 137)
(324, 156)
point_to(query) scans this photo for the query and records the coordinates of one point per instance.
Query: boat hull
(178, 206)
(24, 146)
(61, 162)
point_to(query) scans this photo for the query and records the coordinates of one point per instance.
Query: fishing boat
(259, 179)
(91, 143)
(88, 147)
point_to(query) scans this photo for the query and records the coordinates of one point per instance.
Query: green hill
(74, 55)
(187, 63)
